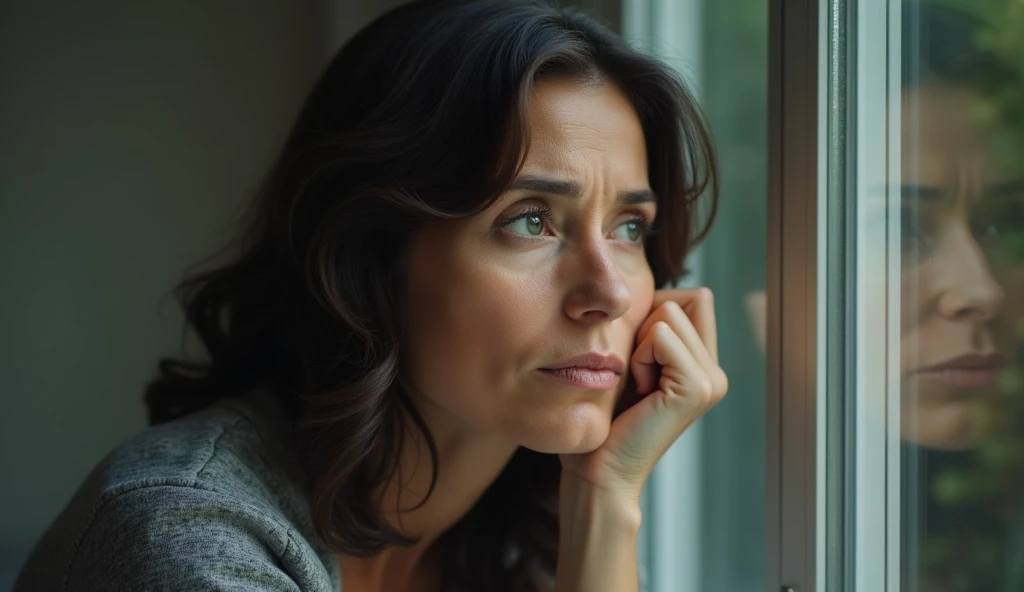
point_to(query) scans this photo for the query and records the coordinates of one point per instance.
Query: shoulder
(211, 501)
(224, 441)
(177, 537)
(239, 449)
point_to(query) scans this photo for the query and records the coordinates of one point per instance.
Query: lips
(967, 371)
(589, 371)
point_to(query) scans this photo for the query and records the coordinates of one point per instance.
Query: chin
(577, 432)
(951, 427)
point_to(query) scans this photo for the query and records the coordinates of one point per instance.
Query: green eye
(1007, 220)
(632, 231)
(528, 225)
(1001, 230)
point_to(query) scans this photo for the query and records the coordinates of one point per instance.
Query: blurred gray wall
(130, 135)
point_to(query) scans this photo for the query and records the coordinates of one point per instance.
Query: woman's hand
(677, 376)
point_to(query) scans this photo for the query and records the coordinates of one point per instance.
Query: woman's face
(554, 270)
(961, 289)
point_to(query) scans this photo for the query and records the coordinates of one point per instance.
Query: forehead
(941, 131)
(589, 126)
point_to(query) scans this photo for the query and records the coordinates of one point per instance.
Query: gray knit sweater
(211, 501)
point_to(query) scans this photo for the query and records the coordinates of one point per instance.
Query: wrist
(598, 532)
(583, 502)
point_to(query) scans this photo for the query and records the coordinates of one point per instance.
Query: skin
(495, 299)
(960, 292)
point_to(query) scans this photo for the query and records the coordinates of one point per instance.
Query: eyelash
(646, 228)
(541, 211)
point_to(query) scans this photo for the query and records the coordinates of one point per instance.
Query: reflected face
(962, 288)
(554, 270)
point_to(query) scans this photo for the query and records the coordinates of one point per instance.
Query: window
(705, 504)
(897, 272)
(958, 205)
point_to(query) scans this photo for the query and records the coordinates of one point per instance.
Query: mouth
(970, 371)
(592, 371)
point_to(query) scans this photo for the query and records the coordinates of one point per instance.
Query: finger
(699, 306)
(682, 394)
(642, 366)
(670, 312)
(664, 362)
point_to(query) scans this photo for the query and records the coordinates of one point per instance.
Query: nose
(970, 290)
(598, 291)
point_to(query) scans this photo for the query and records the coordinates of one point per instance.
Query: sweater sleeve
(160, 537)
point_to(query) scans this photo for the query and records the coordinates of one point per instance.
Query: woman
(437, 358)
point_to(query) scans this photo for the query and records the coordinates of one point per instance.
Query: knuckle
(703, 387)
(662, 329)
(673, 310)
(671, 307)
(721, 382)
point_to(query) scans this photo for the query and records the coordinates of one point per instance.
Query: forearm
(597, 540)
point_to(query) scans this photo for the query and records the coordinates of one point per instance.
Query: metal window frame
(833, 408)
(794, 510)
(875, 170)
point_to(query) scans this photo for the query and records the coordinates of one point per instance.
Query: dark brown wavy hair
(422, 116)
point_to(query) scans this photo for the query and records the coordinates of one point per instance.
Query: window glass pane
(961, 294)
(705, 505)
(734, 91)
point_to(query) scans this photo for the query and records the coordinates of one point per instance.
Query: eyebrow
(922, 192)
(1006, 189)
(1009, 188)
(573, 190)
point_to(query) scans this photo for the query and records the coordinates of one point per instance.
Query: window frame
(833, 382)
(795, 463)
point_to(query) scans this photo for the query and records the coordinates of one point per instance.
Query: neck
(468, 461)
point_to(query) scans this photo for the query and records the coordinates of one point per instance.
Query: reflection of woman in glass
(962, 288)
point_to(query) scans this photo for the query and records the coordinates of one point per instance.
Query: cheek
(1012, 282)
(1010, 323)
(470, 322)
(642, 294)
(910, 316)
(918, 291)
